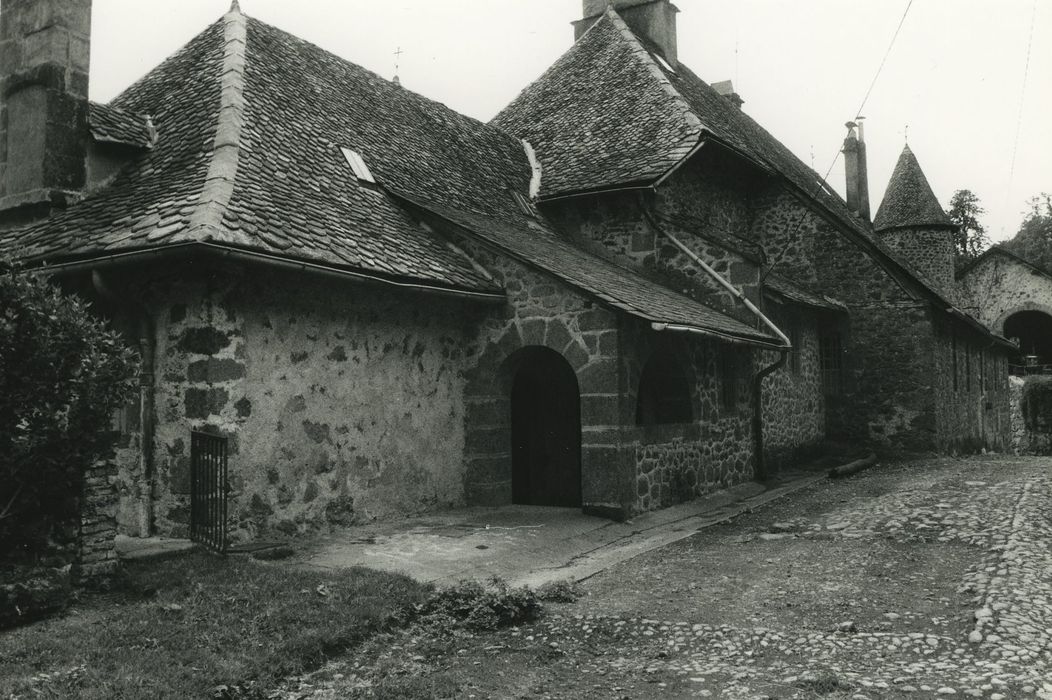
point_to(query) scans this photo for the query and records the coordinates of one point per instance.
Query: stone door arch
(1033, 328)
(545, 429)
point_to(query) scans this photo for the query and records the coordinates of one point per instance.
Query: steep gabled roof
(631, 120)
(909, 201)
(252, 124)
(602, 114)
(1001, 251)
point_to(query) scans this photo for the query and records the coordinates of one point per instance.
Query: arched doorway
(1034, 331)
(545, 430)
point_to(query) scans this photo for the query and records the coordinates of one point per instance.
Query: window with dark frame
(830, 363)
(664, 392)
(967, 367)
(953, 343)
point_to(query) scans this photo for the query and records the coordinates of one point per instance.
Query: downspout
(148, 349)
(757, 382)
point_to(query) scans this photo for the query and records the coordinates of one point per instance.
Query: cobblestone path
(1007, 654)
(970, 616)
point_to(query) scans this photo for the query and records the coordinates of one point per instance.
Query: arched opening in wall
(545, 430)
(664, 395)
(1033, 329)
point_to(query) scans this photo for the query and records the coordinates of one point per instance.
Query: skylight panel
(361, 170)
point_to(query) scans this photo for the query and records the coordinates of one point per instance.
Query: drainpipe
(757, 382)
(148, 348)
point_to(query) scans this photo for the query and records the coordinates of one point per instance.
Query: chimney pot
(855, 170)
(726, 88)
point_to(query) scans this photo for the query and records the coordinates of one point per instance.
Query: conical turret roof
(909, 201)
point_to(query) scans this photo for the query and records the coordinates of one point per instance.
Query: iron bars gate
(208, 489)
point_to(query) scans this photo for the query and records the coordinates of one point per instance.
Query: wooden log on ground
(853, 467)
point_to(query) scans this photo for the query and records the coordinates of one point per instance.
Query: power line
(1022, 101)
(824, 182)
(883, 60)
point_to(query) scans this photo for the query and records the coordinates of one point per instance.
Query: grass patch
(184, 627)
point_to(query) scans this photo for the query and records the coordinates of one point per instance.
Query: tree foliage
(970, 240)
(1034, 240)
(62, 375)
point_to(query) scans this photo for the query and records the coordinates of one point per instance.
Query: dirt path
(924, 579)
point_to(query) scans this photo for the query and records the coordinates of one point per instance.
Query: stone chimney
(855, 167)
(44, 56)
(652, 20)
(726, 88)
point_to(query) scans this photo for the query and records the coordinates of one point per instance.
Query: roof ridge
(648, 62)
(206, 221)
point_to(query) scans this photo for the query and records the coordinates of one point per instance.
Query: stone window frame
(665, 392)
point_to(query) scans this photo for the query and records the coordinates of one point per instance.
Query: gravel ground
(927, 578)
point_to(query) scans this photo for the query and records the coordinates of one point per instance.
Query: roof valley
(206, 222)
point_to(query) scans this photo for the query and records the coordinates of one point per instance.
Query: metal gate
(208, 489)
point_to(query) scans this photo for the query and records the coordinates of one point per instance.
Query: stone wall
(793, 402)
(970, 391)
(341, 402)
(999, 286)
(543, 312)
(929, 250)
(674, 463)
(96, 559)
(705, 205)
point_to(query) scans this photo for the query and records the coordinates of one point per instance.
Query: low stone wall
(97, 554)
(681, 470)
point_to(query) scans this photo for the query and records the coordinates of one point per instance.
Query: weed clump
(566, 591)
(479, 606)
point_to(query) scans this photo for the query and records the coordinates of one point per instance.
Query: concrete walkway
(529, 545)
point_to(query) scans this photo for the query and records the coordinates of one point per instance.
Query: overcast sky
(955, 74)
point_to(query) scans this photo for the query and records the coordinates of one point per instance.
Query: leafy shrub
(565, 591)
(1037, 403)
(479, 606)
(62, 374)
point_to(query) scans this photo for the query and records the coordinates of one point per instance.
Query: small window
(729, 380)
(361, 170)
(664, 392)
(830, 362)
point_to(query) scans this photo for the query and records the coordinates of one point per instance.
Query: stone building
(621, 294)
(1012, 297)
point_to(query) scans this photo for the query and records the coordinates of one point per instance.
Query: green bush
(62, 375)
(479, 606)
(1037, 403)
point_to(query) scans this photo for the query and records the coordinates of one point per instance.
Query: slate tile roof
(250, 125)
(111, 124)
(617, 286)
(909, 200)
(609, 101)
(602, 114)
(155, 194)
(291, 191)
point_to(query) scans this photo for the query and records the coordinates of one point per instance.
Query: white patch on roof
(663, 62)
(361, 170)
(535, 179)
